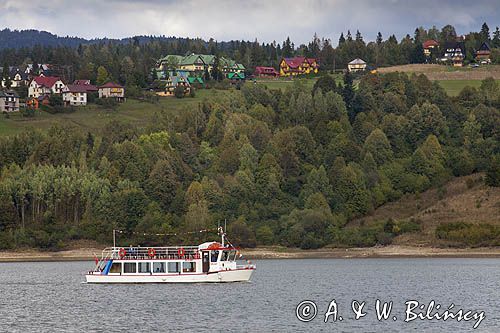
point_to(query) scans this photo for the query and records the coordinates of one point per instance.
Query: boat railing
(142, 253)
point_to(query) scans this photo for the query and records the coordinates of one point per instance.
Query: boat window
(188, 267)
(214, 256)
(174, 267)
(232, 255)
(225, 255)
(116, 267)
(159, 267)
(129, 267)
(144, 267)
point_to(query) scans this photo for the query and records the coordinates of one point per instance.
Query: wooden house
(112, 90)
(483, 54)
(298, 66)
(266, 72)
(429, 46)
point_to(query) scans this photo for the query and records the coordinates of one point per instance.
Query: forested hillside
(282, 167)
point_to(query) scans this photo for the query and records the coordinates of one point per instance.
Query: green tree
(379, 146)
(102, 75)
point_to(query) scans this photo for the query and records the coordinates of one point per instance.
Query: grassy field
(282, 83)
(94, 117)
(454, 87)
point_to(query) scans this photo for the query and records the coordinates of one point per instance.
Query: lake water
(50, 297)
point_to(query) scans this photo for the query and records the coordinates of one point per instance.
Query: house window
(174, 267)
(130, 267)
(144, 267)
(188, 267)
(158, 267)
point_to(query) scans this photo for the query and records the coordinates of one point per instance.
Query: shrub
(28, 112)
(179, 91)
(469, 234)
(265, 235)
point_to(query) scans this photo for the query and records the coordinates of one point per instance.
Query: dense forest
(129, 61)
(288, 167)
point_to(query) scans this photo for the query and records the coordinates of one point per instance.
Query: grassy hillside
(464, 199)
(452, 79)
(94, 117)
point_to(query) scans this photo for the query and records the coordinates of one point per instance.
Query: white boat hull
(235, 275)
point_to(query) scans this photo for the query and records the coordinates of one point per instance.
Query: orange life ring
(122, 253)
(151, 253)
(181, 252)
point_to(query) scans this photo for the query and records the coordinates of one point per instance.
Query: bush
(28, 112)
(108, 103)
(192, 92)
(179, 91)
(265, 235)
(468, 234)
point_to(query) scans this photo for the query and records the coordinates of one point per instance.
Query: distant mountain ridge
(14, 39)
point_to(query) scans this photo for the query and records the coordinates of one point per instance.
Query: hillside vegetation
(292, 167)
(464, 200)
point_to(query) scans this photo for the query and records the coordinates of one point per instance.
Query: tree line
(129, 61)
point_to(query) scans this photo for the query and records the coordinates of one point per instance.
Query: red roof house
(298, 65)
(262, 71)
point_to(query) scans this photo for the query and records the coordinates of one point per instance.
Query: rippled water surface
(50, 297)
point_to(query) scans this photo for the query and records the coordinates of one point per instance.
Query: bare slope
(464, 199)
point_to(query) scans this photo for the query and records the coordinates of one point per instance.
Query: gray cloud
(250, 19)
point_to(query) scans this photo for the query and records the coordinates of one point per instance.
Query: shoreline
(259, 253)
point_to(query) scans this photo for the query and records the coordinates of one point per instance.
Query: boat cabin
(208, 257)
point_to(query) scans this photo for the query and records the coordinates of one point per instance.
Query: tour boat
(207, 262)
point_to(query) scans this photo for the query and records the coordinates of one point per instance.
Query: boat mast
(114, 238)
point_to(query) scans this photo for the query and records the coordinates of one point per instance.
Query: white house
(74, 94)
(9, 101)
(356, 65)
(42, 85)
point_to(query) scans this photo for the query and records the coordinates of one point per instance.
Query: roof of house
(86, 85)
(76, 88)
(484, 47)
(236, 76)
(46, 81)
(429, 43)
(294, 62)
(357, 61)
(297, 61)
(194, 79)
(110, 85)
(81, 82)
(176, 79)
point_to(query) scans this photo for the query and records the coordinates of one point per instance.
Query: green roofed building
(195, 65)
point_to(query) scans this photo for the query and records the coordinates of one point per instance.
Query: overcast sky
(231, 19)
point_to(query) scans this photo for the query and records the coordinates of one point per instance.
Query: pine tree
(341, 39)
(485, 33)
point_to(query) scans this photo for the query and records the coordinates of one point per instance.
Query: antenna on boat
(114, 238)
